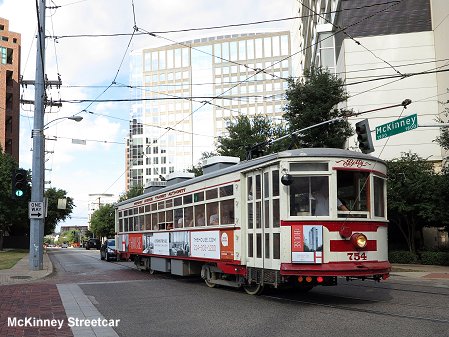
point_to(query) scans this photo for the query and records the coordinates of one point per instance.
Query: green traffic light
(19, 193)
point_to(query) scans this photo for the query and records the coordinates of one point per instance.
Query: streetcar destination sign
(398, 126)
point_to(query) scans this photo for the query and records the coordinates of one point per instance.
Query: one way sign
(36, 210)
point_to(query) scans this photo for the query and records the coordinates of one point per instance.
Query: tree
(198, 169)
(13, 212)
(413, 199)
(102, 222)
(55, 215)
(314, 100)
(245, 132)
(134, 191)
(443, 140)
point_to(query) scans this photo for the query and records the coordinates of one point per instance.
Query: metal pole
(37, 189)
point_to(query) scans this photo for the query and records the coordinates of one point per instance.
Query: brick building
(9, 90)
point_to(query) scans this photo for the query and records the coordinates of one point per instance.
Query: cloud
(92, 63)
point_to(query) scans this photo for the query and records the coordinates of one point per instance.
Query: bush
(435, 258)
(403, 257)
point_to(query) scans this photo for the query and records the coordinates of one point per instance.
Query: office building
(9, 90)
(97, 200)
(187, 91)
(386, 53)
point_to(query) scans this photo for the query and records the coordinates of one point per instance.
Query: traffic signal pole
(37, 189)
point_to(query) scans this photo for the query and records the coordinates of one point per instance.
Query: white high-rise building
(185, 92)
(386, 53)
(96, 201)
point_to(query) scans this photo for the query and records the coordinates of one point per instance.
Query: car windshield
(111, 243)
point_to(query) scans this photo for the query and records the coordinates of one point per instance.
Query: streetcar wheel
(209, 283)
(253, 289)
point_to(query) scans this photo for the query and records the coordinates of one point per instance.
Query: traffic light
(19, 183)
(364, 136)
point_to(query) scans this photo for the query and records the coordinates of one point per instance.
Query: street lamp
(73, 118)
(37, 211)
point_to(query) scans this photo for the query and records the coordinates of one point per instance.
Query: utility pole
(37, 190)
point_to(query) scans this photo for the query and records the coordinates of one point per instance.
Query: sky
(88, 65)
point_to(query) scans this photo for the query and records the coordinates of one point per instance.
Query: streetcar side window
(227, 212)
(179, 217)
(188, 216)
(309, 196)
(276, 246)
(147, 221)
(212, 213)
(353, 188)
(199, 215)
(211, 194)
(379, 199)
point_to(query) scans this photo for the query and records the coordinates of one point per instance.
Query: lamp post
(37, 190)
(38, 170)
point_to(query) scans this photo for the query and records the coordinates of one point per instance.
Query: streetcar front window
(309, 196)
(353, 192)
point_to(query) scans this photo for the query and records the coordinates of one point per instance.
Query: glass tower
(185, 93)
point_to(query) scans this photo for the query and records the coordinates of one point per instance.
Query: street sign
(398, 126)
(36, 210)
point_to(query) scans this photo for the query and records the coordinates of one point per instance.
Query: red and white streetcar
(299, 217)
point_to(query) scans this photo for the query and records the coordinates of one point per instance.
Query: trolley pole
(37, 189)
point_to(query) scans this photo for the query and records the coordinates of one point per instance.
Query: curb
(20, 273)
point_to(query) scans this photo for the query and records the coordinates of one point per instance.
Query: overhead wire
(256, 73)
(344, 31)
(220, 26)
(233, 86)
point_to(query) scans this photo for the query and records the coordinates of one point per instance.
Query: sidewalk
(420, 271)
(21, 273)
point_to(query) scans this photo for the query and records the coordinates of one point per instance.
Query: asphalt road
(163, 305)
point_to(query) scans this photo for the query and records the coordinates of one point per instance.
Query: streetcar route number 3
(356, 256)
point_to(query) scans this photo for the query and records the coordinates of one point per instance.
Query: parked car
(107, 250)
(65, 245)
(93, 243)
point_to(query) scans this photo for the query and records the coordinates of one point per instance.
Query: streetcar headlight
(359, 240)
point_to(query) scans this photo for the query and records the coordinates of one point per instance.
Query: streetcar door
(263, 225)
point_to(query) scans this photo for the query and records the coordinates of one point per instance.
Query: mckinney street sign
(398, 126)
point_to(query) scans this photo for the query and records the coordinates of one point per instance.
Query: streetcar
(301, 218)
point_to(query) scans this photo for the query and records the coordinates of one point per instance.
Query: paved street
(82, 286)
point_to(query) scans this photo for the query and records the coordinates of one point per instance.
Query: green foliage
(314, 100)
(244, 132)
(55, 215)
(443, 140)
(435, 258)
(63, 237)
(134, 191)
(13, 212)
(425, 257)
(415, 196)
(403, 257)
(102, 222)
(198, 169)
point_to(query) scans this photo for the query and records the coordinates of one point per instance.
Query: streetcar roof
(243, 165)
